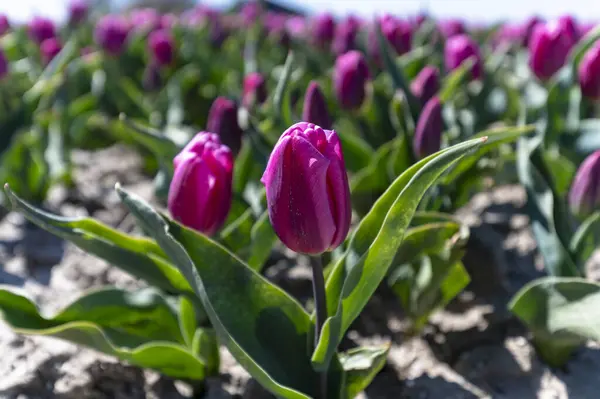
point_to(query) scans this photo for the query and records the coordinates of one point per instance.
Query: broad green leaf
(138, 327)
(187, 320)
(140, 257)
(160, 145)
(374, 245)
(357, 152)
(280, 91)
(261, 325)
(562, 170)
(562, 313)
(361, 366)
(263, 239)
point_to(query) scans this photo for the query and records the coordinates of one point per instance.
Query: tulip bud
(315, 107)
(452, 27)
(78, 10)
(584, 196)
(323, 29)
(151, 80)
(50, 49)
(569, 27)
(307, 189)
(4, 24)
(200, 192)
(397, 32)
(548, 48)
(160, 43)
(144, 19)
(530, 25)
(3, 65)
(40, 29)
(223, 120)
(458, 49)
(428, 134)
(255, 90)
(345, 36)
(111, 33)
(589, 73)
(350, 76)
(426, 84)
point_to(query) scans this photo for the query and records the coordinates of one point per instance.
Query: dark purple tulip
(426, 84)
(151, 80)
(428, 134)
(3, 64)
(111, 33)
(569, 26)
(323, 29)
(50, 49)
(589, 73)
(350, 76)
(4, 24)
(255, 90)
(161, 46)
(200, 192)
(345, 36)
(275, 25)
(584, 196)
(397, 32)
(308, 196)
(530, 25)
(78, 11)
(452, 27)
(223, 120)
(40, 29)
(548, 49)
(315, 107)
(458, 49)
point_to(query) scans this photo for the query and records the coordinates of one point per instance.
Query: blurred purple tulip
(315, 107)
(426, 84)
(162, 47)
(250, 12)
(589, 73)
(458, 49)
(308, 196)
(350, 76)
(428, 134)
(152, 80)
(4, 24)
(3, 64)
(530, 25)
(223, 120)
(200, 192)
(111, 33)
(168, 21)
(452, 27)
(323, 29)
(345, 35)
(584, 195)
(397, 32)
(296, 26)
(50, 49)
(40, 29)
(144, 19)
(548, 48)
(255, 90)
(78, 11)
(570, 27)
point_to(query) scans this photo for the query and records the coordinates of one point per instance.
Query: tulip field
(252, 203)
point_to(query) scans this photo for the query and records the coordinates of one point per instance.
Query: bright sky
(468, 9)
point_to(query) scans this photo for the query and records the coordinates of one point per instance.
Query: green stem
(318, 283)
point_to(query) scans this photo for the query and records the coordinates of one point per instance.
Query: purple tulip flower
(548, 48)
(428, 134)
(458, 49)
(315, 107)
(426, 84)
(589, 73)
(50, 49)
(223, 120)
(40, 29)
(584, 196)
(111, 33)
(255, 90)
(162, 47)
(350, 76)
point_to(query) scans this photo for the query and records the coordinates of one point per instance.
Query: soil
(472, 349)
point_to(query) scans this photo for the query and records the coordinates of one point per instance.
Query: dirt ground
(472, 349)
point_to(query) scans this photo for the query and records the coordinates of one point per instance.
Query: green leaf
(278, 96)
(562, 313)
(187, 319)
(582, 243)
(160, 145)
(138, 327)
(263, 239)
(140, 257)
(357, 152)
(261, 325)
(584, 44)
(456, 80)
(374, 245)
(361, 366)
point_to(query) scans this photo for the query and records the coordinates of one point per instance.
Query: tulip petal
(339, 192)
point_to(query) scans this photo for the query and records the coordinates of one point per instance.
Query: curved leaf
(361, 366)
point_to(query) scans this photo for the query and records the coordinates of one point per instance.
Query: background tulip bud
(428, 134)
(397, 32)
(151, 80)
(315, 107)
(144, 19)
(344, 39)
(458, 49)
(200, 192)
(223, 120)
(452, 27)
(589, 73)
(40, 29)
(584, 196)
(426, 84)
(307, 189)
(50, 49)
(549, 47)
(111, 33)
(4, 24)
(323, 29)
(78, 10)
(350, 76)
(161, 45)
(255, 89)
(3, 64)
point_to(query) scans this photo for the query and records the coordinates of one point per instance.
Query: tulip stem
(318, 283)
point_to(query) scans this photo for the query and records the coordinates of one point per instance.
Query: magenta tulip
(315, 107)
(3, 64)
(50, 49)
(78, 11)
(458, 49)
(350, 76)
(223, 120)
(426, 84)
(323, 29)
(162, 47)
(111, 33)
(200, 192)
(589, 73)
(549, 47)
(255, 90)
(4, 24)
(428, 134)
(584, 196)
(308, 196)
(40, 29)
